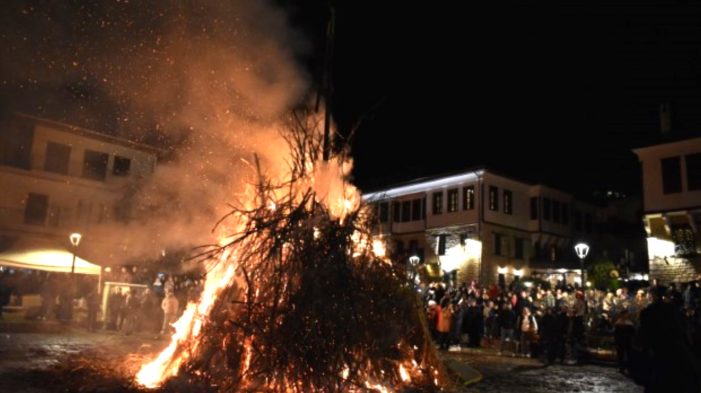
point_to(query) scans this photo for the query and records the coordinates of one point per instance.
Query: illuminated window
(453, 200)
(437, 202)
(493, 198)
(468, 198)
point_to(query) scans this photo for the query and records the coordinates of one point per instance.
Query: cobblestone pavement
(22, 354)
(506, 374)
(26, 359)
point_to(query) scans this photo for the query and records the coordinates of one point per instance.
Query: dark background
(553, 92)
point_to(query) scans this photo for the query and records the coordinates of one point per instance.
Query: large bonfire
(299, 297)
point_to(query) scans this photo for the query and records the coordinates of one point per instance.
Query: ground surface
(29, 363)
(69, 361)
(510, 374)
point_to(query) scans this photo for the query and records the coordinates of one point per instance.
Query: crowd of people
(655, 331)
(129, 298)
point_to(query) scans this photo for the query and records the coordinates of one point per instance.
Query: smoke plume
(207, 82)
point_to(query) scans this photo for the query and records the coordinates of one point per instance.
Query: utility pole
(326, 88)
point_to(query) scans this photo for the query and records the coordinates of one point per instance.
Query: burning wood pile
(299, 297)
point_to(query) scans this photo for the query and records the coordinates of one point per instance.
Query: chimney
(665, 118)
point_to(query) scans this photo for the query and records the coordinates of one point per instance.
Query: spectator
(672, 365)
(170, 310)
(527, 328)
(506, 319)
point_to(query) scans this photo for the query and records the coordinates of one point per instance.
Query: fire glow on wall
(459, 255)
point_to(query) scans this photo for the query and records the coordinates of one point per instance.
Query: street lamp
(75, 241)
(582, 249)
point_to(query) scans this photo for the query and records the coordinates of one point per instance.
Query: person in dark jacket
(551, 334)
(672, 366)
(564, 322)
(624, 330)
(475, 324)
(506, 319)
(92, 300)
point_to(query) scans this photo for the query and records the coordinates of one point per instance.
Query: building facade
(58, 179)
(672, 208)
(484, 226)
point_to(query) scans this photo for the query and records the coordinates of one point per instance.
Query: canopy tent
(46, 257)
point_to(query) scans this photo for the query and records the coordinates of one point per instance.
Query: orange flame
(341, 199)
(404, 374)
(188, 327)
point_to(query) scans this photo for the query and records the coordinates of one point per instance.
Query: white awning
(47, 258)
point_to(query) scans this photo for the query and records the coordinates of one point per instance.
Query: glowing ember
(187, 328)
(404, 374)
(259, 324)
(378, 387)
(378, 248)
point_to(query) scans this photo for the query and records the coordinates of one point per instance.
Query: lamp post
(68, 311)
(582, 249)
(75, 241)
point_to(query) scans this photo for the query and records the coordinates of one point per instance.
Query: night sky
(555, 93)
(552, 93)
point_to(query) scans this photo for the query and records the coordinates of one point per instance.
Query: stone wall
(675, 269)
